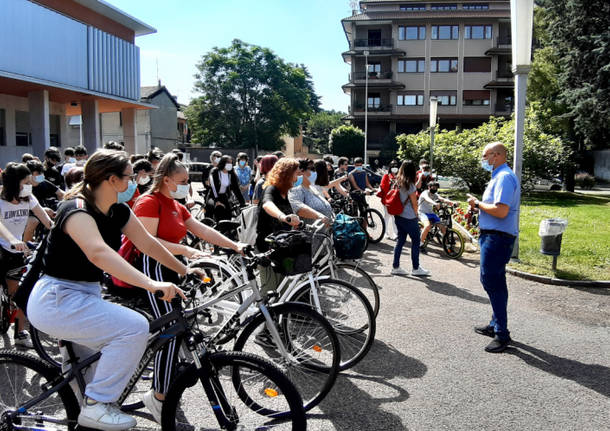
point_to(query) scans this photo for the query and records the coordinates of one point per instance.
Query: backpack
(248, 219)
(349, 239)
(291, 252)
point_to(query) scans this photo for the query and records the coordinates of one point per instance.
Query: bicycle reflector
(317, 348)
(271, 393)
(207, 279)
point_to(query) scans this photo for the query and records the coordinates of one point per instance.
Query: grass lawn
(585, 248)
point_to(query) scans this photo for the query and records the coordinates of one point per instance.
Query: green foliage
(458, 153)
(347, 141)
(249, 97)
(316, 133)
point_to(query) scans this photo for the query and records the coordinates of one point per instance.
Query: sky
(305, 32)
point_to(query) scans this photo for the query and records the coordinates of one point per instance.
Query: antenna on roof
(354, 5)
(158, 80)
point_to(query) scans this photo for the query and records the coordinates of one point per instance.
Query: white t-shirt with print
(14, 217)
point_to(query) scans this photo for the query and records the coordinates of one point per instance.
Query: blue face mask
(242, 163)
(299, 181)
(358, 168)
(126, 196)
(312, 177)
(485, 165)
(39, 178)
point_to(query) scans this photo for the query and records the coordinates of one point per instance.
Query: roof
(149, 93)
(401, 14)
(106, 9)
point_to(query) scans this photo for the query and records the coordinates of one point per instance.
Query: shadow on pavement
(603, 291)
(451, 290)
(349, 407)
(592, 376)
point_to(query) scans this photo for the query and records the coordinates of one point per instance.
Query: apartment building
(61, 58)
(459, 52)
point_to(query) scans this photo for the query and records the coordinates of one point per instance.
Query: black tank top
(63, 258)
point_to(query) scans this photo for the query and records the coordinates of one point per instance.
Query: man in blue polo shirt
(499, 224)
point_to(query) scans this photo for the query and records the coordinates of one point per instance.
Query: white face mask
(229, 167)
(71, 160)
(81, 162)
(214, 160)
(144, 180)
(181, 192)
(25, 191)
(394, 170)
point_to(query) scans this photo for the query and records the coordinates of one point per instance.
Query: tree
(249, 97)
(458, 154)
(316, 134)
(347, 141)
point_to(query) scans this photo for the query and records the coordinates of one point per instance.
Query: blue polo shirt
(502, 189)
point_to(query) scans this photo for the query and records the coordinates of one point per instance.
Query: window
(445, 98)
(411, 33)
(2, 129)
(412, 65)
(374, 100)
(22, 139)
(477, 64)
(480, 6)
(443, 7)
(445, 32)
(443, 65)
(374, 69)
(476, 97)
(410, 99)
(477, 32)
(412, 7)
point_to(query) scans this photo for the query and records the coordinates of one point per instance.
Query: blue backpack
(349, 239)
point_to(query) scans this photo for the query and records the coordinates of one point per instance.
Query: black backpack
(291, 252)
(33, 271)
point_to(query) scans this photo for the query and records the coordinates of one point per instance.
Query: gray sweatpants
(75, 311)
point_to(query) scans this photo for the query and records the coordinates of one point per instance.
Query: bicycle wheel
(375, 228)
(358, 278)
(312, 345)
(23, 378)
(5, 313)
(453, 243)
(256, 393)
(46, 346)
(349, 313)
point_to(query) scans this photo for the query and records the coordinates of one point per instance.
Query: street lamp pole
(522, 21)
(366, 106)
(433, 113)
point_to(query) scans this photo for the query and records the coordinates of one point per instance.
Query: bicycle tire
(275, 384)
(320, 343)
(353, 344)
(32, 374)
(371, 214)
(365, 282)
(453, 243)
(46, 347)
(5, 315)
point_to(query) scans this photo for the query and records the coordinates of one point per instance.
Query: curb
(558, 281)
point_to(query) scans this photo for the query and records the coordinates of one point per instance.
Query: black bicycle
(451, 240)
(244, 391)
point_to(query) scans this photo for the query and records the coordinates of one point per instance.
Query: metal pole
(366, 106)
(431, 146)
(520, 73)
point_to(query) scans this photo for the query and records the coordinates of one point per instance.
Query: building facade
(60, 59)
(459, 52)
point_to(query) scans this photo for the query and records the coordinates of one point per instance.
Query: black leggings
(166, 358)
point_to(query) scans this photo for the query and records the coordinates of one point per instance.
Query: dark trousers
(404, 227)
(495, 254)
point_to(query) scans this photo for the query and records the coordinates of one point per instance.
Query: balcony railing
(504, 73)
(373, 43)
(505, 107)
(503, 40)
(372, 75)
(359, 107)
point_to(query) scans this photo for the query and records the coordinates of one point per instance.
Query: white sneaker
(420, 271)
(22, 339)
(399, 271)
(104, 416)
(153, 405)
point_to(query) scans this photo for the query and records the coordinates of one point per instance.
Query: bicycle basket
(291, 252)
(349, 239)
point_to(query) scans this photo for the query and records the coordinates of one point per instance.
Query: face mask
(214, 160)
(299, 181)
(358, 168)
(25, 191)
(242, 163)
(81, 162)
(485, 165)
(425, 174)
(71, 160)
(433, 190)
(394, 170)
(181, 192)
(312, 177)
(229, 167)
(127, 194)
(39, 178)
(144, 180)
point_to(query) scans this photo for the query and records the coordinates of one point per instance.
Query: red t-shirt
(170, 213)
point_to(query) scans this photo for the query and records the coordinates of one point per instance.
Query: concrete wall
(601, 167)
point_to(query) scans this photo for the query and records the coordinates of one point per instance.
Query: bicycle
(451, 240)
(41, 397)
(370, 219)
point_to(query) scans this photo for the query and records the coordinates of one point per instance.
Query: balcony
(361, 76)
(502, 46)
(372, 110)
(505, 107)
(504, 73)
(373, 44)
